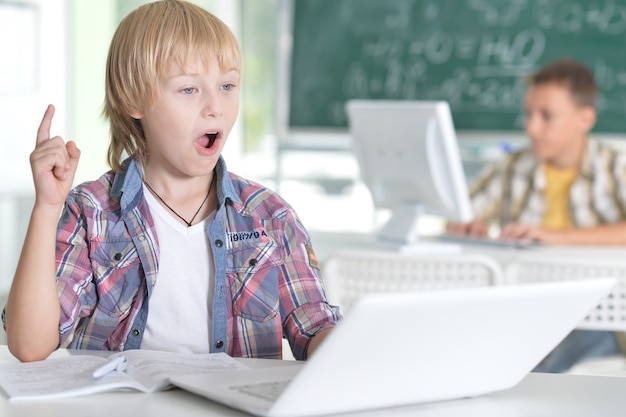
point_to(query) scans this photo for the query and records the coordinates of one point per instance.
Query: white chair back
(350, 274)
(610, 314)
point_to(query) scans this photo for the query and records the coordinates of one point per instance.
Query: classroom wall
(33, 71)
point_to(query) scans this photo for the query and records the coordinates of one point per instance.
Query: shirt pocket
(252, 275)
(116, 269)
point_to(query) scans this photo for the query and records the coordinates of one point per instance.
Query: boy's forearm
(33, 310)
(610, 234)
(316, 341)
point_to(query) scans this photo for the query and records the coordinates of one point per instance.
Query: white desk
(538, 395)
(326, 243)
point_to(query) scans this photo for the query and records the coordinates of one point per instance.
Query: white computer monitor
(409, 159)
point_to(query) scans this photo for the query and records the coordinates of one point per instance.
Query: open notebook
(395, 349)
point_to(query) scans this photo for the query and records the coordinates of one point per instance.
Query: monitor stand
(400, 234)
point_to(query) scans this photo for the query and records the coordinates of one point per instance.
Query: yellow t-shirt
(558, 184)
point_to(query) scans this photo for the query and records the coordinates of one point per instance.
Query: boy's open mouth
(212, 138)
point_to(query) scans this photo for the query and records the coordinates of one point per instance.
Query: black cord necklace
(190, 222)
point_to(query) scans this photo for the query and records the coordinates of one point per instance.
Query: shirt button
(252, 262)
(117, 256)
(219, 243)
(136, 332)
(219, 344)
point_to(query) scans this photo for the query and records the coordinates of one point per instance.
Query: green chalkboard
(473, 53)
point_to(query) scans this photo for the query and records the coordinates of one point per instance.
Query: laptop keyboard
(475, 240)
(269, 391)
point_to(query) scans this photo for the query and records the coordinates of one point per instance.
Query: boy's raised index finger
(43, 133)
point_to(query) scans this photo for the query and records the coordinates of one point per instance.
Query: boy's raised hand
(53, 164)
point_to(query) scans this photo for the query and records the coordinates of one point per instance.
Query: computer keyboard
(488, 241)
(265, 390)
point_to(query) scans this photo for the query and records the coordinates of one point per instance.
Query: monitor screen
(409, 159)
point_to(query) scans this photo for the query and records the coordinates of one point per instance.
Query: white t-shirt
(179, 310)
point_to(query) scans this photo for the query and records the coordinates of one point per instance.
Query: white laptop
(395, 349)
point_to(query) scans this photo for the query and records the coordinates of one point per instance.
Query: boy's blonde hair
(145, 42)
(573, 75)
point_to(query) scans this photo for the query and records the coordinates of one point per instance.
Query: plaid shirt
(267, 280)
(513, 190)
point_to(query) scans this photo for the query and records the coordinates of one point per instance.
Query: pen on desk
(115, 364)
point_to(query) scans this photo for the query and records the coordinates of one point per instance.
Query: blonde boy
(168, 250)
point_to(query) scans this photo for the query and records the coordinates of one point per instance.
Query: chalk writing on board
(474, 54)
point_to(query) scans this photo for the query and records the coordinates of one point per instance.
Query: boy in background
(565, 188)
